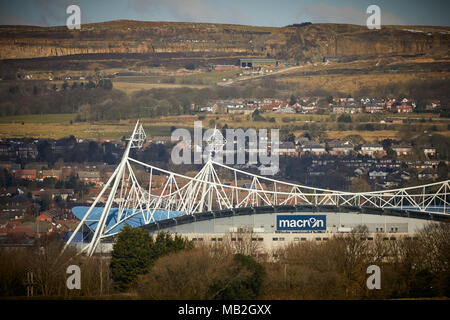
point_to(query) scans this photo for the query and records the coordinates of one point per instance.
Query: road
(240, 79)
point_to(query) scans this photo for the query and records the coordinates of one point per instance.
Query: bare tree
(243, 241)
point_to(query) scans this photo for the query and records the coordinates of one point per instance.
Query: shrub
(242, 282)
(344, 118)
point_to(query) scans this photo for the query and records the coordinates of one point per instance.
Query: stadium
(208, 208)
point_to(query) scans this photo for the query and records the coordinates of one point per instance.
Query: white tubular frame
(205, 192)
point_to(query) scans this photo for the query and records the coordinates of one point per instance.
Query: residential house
(7, 151)
(427, 174)
(341, 149)
(286, 109)
(90, 176)
(16, 207)
(55, 174)
(372, 150)
(161, 139)
(63, 193)
(26, 174)
(378, 174)
(44, 218)
(373, 108)
(286, 149)
(27, 151)
(429, 151)
(313, 149)
(316, 172)
(350, 109)
(402, 149)
(268, 107)
(434, 104)
(404, 107)
(310, 108)
(206, 109)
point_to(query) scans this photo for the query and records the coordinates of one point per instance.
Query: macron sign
(302, 222)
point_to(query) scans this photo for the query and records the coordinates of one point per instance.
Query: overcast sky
(251, 12)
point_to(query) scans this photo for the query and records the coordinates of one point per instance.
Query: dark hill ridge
(301, 43)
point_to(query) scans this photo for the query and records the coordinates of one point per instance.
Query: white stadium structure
(208, 208)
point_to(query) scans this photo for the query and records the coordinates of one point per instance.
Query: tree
(344, 118)
(442, 170)
(390, 153)
(130, 256)
(242, 282)
(386, 143)
(360, 185)
(6, 178)
(292, 100)
(105, 84)
(45, 201)
(290, 137)
(185, 275)
(256, 116)
(90, 84)
(136, 251)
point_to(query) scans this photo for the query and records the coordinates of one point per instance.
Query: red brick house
(57, 174)
(43, 218)
(26, 174)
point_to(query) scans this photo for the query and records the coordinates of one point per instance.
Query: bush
(242, 282)
(344, 118)
(184, 275)
(105, 84)
(202, 273)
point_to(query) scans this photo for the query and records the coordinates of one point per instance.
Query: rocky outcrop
(310, 42)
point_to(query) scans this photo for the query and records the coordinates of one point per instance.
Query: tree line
(170, 267)
(39, 98)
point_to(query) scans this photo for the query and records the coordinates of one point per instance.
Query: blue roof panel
(111, 226)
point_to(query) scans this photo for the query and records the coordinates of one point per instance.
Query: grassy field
(79, 129)
(351, 84)
(39, 118)
(199, 80)
(61, 130)
(130, 87)
(59, 126)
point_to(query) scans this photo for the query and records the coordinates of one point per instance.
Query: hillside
(302, 43)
